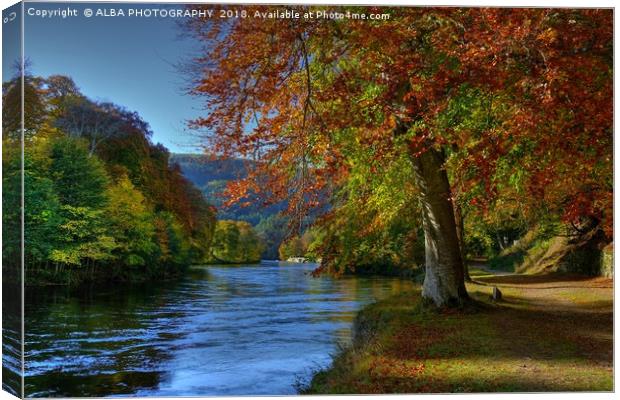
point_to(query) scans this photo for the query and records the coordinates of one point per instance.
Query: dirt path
(574, 308)
(552, 292)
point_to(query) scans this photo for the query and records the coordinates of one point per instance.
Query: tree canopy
(101, 200)
(492, 108)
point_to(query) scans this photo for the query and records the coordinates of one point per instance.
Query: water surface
(220, 330)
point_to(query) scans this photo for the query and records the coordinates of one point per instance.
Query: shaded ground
(549, 333)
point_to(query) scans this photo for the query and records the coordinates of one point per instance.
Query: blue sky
(129, 61)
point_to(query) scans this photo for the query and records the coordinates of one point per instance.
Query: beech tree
(96, 122)
(307, 94)
(33, 110)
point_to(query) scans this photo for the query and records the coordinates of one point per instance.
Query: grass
(549, 333)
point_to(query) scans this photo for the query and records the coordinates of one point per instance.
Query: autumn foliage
(102, 201)
(300, 95)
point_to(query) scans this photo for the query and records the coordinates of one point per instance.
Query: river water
(219, 330)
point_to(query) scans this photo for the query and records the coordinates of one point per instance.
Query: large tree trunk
(460, 234)
(444, 282)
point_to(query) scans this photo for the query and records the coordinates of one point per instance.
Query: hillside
(211, 176)
(202, 170)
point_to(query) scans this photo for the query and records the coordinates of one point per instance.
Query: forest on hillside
(102, 201)
(212, 175)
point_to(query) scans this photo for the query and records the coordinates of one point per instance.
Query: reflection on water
(11, 337)
(218, 331)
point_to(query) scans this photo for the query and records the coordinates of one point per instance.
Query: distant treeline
(235, 242)
(212, 176)
(102, 202)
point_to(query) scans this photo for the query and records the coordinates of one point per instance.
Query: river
(219, 330)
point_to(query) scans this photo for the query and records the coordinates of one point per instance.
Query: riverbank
(549, 333)
(76, 277)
